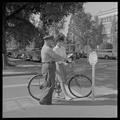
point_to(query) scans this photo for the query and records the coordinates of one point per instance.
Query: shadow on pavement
(100, 100)
(86, 103)
(110, 96)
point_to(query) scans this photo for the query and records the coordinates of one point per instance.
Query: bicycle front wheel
(34, 86)
(80, 86)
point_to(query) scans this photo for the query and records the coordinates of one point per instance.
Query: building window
(103, 31)
(110, 18)
(115, 17)
(107, 19)
(116, 27)
(101, 19)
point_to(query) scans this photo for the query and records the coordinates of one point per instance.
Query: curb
(87, 99)
(18, 74)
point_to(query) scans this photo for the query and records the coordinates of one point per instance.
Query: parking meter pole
(93, 58)
(93, 82)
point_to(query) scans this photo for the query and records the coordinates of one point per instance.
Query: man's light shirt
(60, 51)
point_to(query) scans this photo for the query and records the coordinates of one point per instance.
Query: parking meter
(93, 59)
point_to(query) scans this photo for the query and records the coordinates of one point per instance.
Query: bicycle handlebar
(67, 61)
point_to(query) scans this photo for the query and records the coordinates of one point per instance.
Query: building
(109, 19)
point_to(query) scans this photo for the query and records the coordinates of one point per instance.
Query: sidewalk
(103, 97)
(105, 105)
(83, 107)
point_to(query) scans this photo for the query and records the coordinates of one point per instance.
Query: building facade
(109, 20)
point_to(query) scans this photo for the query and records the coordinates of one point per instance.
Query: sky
(95, 7)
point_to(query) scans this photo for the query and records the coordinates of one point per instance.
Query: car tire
(107, 57)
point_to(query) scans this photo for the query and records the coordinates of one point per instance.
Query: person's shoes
(43, 103)
(58, 96)
(68, 98)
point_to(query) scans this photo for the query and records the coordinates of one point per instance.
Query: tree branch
(15, 12)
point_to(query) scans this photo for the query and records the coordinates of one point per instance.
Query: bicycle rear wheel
(34, 86)
(80, 86)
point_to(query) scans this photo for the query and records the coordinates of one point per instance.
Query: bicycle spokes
(80, 86)
(36, 87)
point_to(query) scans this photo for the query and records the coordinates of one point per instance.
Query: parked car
(25, 55)
(9, 53)
(32, 55)
(81, 55)
(36, 55)
(13, 53)
(114, 54)
(106, 53)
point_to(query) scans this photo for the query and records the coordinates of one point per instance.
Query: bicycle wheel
(34, 86)
(80, 86)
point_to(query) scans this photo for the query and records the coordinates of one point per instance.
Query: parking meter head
(93, 58)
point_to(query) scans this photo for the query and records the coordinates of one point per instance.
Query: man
(49, 57)
(61, 66)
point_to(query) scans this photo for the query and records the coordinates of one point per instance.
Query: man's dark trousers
(48, 69)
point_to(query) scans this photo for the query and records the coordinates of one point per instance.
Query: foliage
(15, 14)
(18, 13)
(23, 33)
(80, 26)
(87, 31)
(113, 32)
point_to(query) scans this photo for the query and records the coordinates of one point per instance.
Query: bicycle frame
(71, 74)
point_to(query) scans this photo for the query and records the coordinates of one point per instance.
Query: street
(17, 99)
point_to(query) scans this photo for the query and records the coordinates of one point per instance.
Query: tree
(96, 36)
(6, 16)
(100, 35)
(15, 13)
(113, 33)
(99, 30)
(86, 30)
(80, 28)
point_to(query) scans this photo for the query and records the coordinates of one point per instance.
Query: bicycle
(79, 85)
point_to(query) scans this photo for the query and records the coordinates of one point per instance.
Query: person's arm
(64, 53)
(55, 56)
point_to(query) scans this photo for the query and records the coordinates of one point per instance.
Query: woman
(60, 66)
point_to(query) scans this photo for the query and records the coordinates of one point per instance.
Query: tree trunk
(4, 57)
(4, 51)
(5, 61)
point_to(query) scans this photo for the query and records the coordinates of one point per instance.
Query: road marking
(17, 85)
(17, 74)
